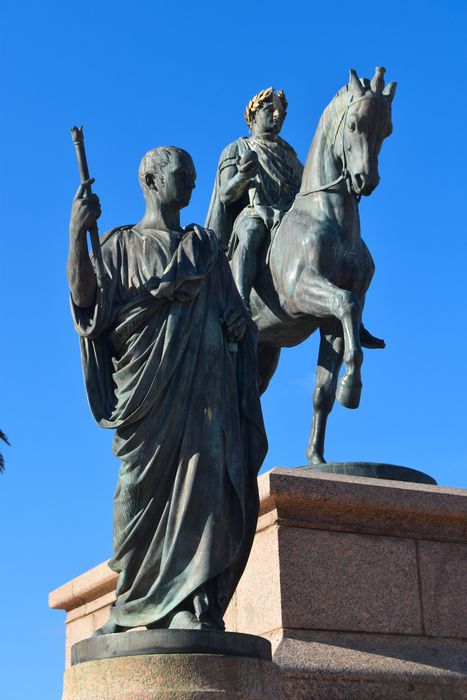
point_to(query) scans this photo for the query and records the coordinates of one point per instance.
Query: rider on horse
(256, 183)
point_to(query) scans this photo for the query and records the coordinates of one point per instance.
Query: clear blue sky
(146, 73)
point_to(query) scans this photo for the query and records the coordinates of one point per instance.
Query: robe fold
(189, 431)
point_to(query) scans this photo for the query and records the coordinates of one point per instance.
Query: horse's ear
(377, 82)
(355, 85)
(390, 90)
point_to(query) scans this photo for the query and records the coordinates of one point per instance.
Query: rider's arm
(236, 175)
(233, 184)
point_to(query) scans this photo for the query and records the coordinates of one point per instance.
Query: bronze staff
(78, 140)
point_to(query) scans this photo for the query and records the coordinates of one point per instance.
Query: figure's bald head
(156, 160)
(170, 172)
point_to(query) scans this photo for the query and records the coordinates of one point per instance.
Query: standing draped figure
(169, 361)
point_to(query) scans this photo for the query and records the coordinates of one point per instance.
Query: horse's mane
(332, 114)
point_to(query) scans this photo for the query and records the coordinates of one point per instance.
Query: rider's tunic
(271, 195)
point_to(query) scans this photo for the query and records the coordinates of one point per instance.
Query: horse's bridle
(345, 173)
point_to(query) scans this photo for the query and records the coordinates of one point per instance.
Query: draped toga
(277, 182)
(189, 431)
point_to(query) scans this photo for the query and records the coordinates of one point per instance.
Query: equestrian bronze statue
(313, 269)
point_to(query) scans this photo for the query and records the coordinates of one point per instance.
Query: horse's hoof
(348, 394)
(315, 459)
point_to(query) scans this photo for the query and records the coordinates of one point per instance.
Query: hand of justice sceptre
(78, 140)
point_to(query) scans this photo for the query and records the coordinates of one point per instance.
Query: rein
(345, 173)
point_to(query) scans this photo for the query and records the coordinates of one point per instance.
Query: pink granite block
(357, 504)
(344, 581)
(443, 578)
(77, 630)
(257, 600)
(173, 677)
(85, 588)
(344, 666)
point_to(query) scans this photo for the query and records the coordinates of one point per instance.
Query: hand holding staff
(85, 187)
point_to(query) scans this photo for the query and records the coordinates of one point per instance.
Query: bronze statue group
(181, 331)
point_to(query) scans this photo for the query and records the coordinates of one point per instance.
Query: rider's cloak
(189, 430)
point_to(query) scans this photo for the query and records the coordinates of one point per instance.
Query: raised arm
(80, 272)
(235, 178)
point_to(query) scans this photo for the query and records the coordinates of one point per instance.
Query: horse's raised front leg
(331, 351)
(349, 389)
(316, 296)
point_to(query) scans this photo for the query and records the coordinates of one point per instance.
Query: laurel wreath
(255, 103)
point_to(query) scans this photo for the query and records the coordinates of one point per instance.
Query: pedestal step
(173, 677)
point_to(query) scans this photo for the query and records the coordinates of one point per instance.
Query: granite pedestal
(359, 584)
(172, 664)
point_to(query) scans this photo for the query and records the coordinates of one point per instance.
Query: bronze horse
(319, 269)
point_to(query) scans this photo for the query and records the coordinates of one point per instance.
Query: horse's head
(363, 124)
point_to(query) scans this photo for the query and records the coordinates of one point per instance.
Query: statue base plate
(167, 641)
(373, 470)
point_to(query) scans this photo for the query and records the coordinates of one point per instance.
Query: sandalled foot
(185, 620)
(349, 392)
(182, 620)
(370, 341)
(110, 627)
